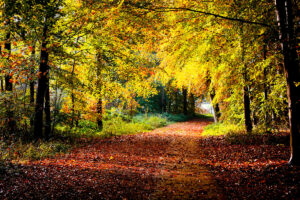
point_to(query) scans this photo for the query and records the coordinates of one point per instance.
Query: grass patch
(150, 122)
(281, 139)
(218, 129)
(118, 124)
(65, 137)
(31, 151)
(236, 134)
(86, 129)
(172, 118)
(204, 116)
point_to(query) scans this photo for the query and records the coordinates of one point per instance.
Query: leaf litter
(174, 162)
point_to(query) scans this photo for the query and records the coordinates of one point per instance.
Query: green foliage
(218, 129)
(115, 113)
(204, 116)
(150, 121)
(236, 135)
(176, 117)
(86, 128)
(116, 124)
(139, 123)
(128, 70)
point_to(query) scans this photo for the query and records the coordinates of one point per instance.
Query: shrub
(31, 151)
(116, 123)
(218, 129)
(115, 113)
(150, 121)
(236, 134)
(176, 117)
(87, 124)
(117, 126)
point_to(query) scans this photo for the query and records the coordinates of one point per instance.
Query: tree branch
(166, 9)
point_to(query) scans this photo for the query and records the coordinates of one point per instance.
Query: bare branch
(167, 9)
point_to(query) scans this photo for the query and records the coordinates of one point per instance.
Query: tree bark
(47, 112)
(247, 111)
(216, 108)
(246, 98)
(11, 122)
(43, 80)
(266, 88)
(2, 86)
(72, 94)
(176, 102)
(99, 114)
(7, 46)
(192, 104)
(163, 100)
(169, 105)
(99, 85)
(184, 93)
(32, 82)
(72, 89)
(286, 26)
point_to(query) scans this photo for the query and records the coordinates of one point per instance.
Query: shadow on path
(162, 164)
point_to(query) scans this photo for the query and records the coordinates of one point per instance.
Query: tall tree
(50, 10)
(100, 64)
(246, 92)
(287, 25)
(43, 82)
(9, 11)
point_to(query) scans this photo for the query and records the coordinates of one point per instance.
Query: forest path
(183, 176)
(162, 164)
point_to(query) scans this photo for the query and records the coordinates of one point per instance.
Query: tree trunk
(2, 86)
(246, 98)
(216, 108)
(266, 89)
(192, 104)
(8, 83)
(43, 80)
(99, 85)
(11, 122)
(286, 25)
(99, 114)
(72, 89)
(184, 93)
(72, 94)
(163, 100)
(47, 112)
(176, 102)
(247, 111)
(169, 105)
(31, 84)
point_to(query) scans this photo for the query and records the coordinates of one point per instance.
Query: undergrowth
(114, 124)
(218, 129)
(236, 134)
(19, 151)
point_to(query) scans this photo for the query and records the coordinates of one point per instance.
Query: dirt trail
(162, 164)
(186, 178)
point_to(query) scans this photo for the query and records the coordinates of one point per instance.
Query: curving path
(162, 164)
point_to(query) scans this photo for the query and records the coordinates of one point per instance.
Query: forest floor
(174, 162)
